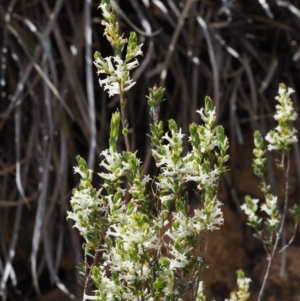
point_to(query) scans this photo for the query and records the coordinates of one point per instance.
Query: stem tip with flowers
(116, 69)
(280, 139)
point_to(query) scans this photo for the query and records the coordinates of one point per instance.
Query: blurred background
(52, 109)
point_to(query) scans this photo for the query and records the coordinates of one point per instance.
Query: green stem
(123, 115)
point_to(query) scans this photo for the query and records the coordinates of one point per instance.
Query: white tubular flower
(166, 184)
(166, 198)
(273, 223)
(134, 63)
(182, 226)
(117, 208)
(210, 118)
(176, 140)
(208, 141)
(110, 85)
(208, 218)
(164, 159)
(270, 206)
(273, 140)
(293, 138)
(203, 178)
(82, 229)
(243, 283)
(284, 92)
(113, 159)
(179, 260)
(82, 174)
(113, 164)
(105, 12)
(145, 180)
(278, 141)
(250, 207)
(117, 72)
(251, 215)
(285, 111)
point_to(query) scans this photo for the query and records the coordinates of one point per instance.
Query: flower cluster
(270, 208)
(272, 219)
(86, 204)
(250, 209)
(243, 288)
(117, 70)
(284, 134)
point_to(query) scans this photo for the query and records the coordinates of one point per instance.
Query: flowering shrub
(269, 228)
(141, 249)
(143, 241)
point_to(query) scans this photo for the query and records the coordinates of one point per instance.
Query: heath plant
(270, 226)
(141, 240)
